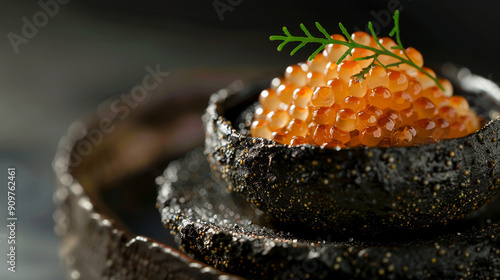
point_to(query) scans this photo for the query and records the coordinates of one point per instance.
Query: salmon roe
(321, 103)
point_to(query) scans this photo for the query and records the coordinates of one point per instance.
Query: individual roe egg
(302, 96)
(277, 119)
(260, 129)
(346, 120)
(360, 53)
(325, 115)
(296, 75)
(316, 79)
(269, 100)
(387, 43)
(298, 112)
(415, 56)
(398, 81)
(334, 144)
(339, 134)
(297, 128)
(368, 116)
(404, 136)
(386, 124)
(260, 113)
(394, 115)
(408, 116)
(424, 108)
(377, 77)
(460, 104)
(414, 88)
(318, 64)
(322, 134)
(402, 100)
(323, 97)
(331, 71)
(435, 95)
(457, 129)
(339, 89)
(357, 87)
(449, 113)
(380, 97)
(448, 88)
(282, 137)
(354, 103)
(335, 51)
(442, 128)
(471, 121)
(370, 136)
(425, 128)
(285, 93)
(424, 80)
(347, 69)
(298, 140)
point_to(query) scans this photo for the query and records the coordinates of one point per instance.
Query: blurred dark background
(90, 51)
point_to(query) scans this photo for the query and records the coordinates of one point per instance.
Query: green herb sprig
(351, 44)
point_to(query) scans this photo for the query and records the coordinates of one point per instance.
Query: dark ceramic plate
(217, 227)
(106, 167)
(360, 191)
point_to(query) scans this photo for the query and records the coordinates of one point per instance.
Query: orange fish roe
(398, 81)
(322, 103)
(334, 144)
(296, 75)
(425, 108)
(357, 88)
(282, 137)
(321, 134)
(370, 136)
(408, 116)
(380, 97)
(298, 140)
(425, 128)
(339, 135)
(298, 112)
(348, 68)
(442, 128)
(394, 115)
(387, 124)
(402, 100)
(346, 120)
(276, 120)
(325, 115)
(297, 128)
(368, 116)
(377, 77)
(323, 97)
(355, 103)
(404, 136)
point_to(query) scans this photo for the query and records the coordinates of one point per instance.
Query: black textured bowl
(219, 229)
(359, 191)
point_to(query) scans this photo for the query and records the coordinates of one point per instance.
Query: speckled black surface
(218, 228)
(355, 192)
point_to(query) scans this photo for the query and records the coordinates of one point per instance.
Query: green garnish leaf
(351, 44)
(322, 30)
(344, 31)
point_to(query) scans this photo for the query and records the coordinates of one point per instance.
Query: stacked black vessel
(268, 211)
